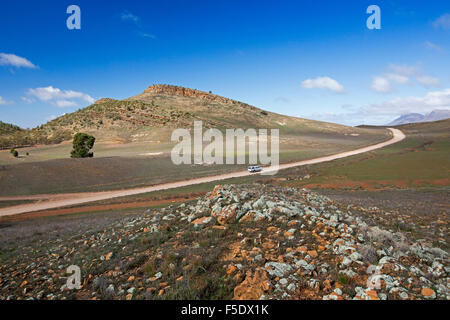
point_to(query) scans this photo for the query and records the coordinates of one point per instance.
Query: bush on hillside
(82, 143)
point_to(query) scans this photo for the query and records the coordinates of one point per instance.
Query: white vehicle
(254, 169)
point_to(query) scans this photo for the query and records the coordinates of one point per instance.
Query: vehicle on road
(254, 169)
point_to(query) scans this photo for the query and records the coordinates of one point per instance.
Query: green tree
(15, 153)
(82, 143)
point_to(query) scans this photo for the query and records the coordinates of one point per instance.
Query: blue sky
(313, 59)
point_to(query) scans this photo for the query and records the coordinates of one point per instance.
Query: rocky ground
(241, 242)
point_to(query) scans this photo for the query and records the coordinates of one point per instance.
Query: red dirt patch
(104, 207)
(437, 182)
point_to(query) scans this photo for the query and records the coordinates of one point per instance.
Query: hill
(10, 134)
(441, 127)
(434, 115)
(133, 146)
(153, 114)
(6, 128)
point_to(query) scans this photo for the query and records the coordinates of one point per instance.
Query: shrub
(82, 143)
(384, 237)
(369, 253)
(14, 152)
(343, 279)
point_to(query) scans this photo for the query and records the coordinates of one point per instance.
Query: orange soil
(96, 208)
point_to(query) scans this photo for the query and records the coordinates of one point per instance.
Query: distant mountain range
(434, 115)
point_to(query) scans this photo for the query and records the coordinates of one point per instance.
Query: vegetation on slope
(158, 110)
(8, 128)
(82, 144)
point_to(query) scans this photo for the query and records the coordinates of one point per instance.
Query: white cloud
(2, 101)
(404, 70)
(147, 35)
(381, 85)
(442, 22)
(398, 78)
(428, 81)
(9, 59)
(27, 100)
(58, 97)
(431, 101)
(398, 74)
(323, 83)
(432, 46)
(65, 103)
(385, 112)
(401, 75)
(351, 118)
(128, 16)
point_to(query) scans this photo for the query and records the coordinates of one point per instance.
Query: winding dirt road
(70, 199)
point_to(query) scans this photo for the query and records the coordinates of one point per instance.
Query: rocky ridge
(241, 242)
(186, 92)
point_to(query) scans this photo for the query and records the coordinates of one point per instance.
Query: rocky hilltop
(104, 100)
(186, 92)
(241, 242)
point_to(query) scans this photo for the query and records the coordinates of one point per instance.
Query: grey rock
(110, 290)
(283, 281)
(260, 203)
(277, 269)
(291, 287)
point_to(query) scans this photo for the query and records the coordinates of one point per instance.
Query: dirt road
(63, 200)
